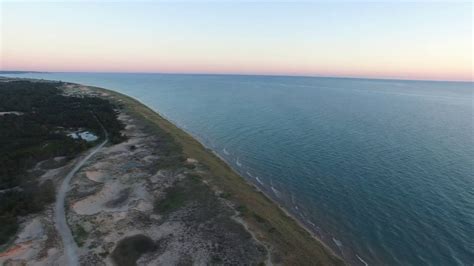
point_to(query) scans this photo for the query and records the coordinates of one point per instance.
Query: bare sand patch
(33, 230)
(28, 243)
(96, 203)
(97, 176)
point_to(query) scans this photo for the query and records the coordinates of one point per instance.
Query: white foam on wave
(238, 163)
(311, 223)
(300, 214)
(225, 152)
(337, 242)
(361, 260)
(259, 181)
(303, 215)
(275, 191)
(249, 174)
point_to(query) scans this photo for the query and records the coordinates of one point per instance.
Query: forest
(35, 118)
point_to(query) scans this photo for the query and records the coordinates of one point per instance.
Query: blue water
(381, 170)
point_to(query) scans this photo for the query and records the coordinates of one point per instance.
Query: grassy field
(291, 243)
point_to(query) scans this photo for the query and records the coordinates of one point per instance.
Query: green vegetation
(80, 235)
(291, 243)
(167, 148)
(175, 199)
(9, 225)
(36, 132)
(129, 249)
(188, 190)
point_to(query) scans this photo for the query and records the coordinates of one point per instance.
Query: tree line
(39, 133)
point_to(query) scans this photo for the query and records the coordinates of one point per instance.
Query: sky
(379, 39)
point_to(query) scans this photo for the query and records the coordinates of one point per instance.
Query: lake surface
(381, 170)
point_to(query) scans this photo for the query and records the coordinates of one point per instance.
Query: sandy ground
(62, 227)
(113, 197)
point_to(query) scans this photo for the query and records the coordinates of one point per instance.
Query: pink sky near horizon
(56, 38)
(86, 64)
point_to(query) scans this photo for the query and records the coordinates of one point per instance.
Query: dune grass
(291, 243)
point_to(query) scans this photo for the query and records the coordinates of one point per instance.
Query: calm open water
(381, 170)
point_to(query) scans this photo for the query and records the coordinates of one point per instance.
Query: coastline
(289, 240)
(327, 205)
(192, 147)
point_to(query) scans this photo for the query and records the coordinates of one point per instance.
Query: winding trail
(70, 246)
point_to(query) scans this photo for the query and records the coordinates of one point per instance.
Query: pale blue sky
(383, 39)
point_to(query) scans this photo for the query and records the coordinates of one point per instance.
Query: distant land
(21, 72)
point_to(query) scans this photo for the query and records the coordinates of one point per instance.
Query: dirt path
(70, 247)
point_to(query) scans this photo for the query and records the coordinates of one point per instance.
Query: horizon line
(243, 74)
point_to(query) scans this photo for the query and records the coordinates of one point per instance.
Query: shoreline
(290, 240)
(212, 152)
